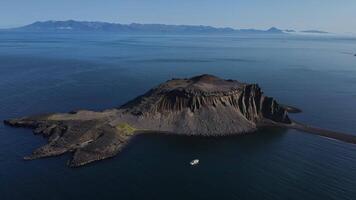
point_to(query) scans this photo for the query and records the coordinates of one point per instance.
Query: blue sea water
(43, 73)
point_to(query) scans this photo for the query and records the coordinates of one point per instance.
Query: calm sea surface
(42, 73)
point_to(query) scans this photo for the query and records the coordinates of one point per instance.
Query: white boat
(194, 162)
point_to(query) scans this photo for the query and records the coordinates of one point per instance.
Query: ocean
(60, 72)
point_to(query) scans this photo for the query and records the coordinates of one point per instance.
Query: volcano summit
(203, 105)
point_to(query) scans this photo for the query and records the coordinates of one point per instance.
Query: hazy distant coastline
(87, 26)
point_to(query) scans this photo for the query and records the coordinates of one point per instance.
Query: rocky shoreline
(203, 105)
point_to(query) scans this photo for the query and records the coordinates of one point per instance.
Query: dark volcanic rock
(203, 105)
(291, 109)
(207, 105)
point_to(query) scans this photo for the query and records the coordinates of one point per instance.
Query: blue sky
(330, 15)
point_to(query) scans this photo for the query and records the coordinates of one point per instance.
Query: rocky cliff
(203, 105)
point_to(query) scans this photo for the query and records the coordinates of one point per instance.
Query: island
(203, 105)
(315, 31)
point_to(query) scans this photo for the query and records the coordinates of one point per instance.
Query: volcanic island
(203, 105)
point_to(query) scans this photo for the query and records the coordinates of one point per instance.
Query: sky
(337, 16)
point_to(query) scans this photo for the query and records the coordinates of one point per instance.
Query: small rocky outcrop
(203, 105)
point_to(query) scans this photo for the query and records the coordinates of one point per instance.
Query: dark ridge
(204, 78)
(291, 109)
(348, 138)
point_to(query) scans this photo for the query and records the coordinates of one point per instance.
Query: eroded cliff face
(202, 105)
(209, 92)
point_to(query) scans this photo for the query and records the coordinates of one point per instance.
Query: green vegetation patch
(126, 128)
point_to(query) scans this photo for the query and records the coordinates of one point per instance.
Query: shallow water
(41, 73)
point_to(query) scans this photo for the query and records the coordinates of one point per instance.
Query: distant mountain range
(78, 26)
(72, 25)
